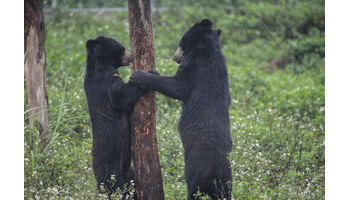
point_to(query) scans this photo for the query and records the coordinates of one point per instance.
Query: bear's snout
(127, 58)
(178, 56)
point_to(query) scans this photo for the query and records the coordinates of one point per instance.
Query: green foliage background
(274, 52)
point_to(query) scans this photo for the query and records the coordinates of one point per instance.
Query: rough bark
(148, 177)
(35, 66)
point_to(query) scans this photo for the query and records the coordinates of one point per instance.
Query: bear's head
(200, 36)
(107, 52)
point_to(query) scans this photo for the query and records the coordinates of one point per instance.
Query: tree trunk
(35, 66)
(148, 177)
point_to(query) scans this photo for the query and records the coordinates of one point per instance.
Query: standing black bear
(110, 101)
(201, 83)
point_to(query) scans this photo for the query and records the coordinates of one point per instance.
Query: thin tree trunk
(35, 66)
(148, 177)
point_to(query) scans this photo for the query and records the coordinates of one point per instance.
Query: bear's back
(205, 110)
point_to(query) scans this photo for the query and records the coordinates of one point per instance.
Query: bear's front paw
(153, 71)
(137, 77)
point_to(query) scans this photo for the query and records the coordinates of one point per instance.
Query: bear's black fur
(201, 83)
(110, 101)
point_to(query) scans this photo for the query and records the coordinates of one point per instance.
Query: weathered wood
(148, 177)
(35, 66)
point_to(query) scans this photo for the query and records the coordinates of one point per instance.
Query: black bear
(201, 83)
(110, 101)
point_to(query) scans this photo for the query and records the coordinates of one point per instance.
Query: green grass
(277, 116)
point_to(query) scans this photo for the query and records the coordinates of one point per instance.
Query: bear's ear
(206, 23)
(218, 32)
(90, 44)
